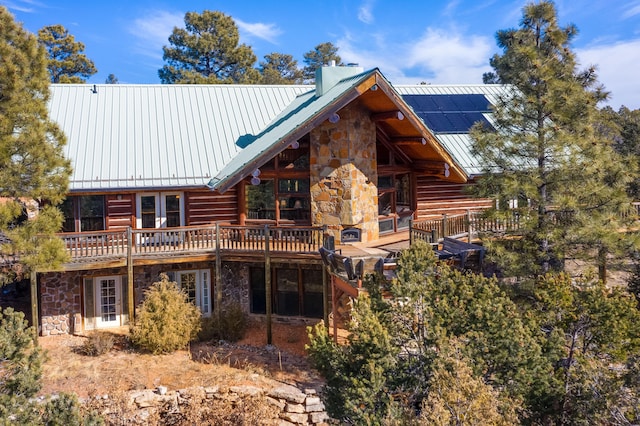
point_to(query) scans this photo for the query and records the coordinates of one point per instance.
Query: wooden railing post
(410, 232)
(218, 281)
(267, 281)
(325, 284)
(130, 285)
(444, 226)
(469, 226)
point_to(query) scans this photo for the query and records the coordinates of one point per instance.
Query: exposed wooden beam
(437, 168)
(388, 115)
(409, 141)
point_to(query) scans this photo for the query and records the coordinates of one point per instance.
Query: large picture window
(281, 192)
(83, 213)
(296, 290)
(394, 202)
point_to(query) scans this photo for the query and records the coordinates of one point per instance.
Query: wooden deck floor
(384, 246)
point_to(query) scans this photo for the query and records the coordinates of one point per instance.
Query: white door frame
(161, 207)
(103, 318)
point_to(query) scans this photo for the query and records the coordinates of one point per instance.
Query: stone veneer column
(344, 174)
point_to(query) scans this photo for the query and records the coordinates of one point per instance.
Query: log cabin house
(227, 188)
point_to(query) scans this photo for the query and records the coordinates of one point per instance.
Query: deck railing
(192, 240)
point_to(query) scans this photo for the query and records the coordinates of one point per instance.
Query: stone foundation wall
(344, 174)
(235, 284)
(60, 302)
(61, 305)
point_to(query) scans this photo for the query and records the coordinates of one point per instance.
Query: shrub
(231, 327)
(98, 343)
(165, 321)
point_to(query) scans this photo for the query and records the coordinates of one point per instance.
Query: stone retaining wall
(283, 405)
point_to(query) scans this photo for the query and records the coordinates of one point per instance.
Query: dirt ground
(249, 361)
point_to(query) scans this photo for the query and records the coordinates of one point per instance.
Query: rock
(312, 400)
(318, 417)
(315, 408)
(294, 408)
(246, 390)
(295, 418)
(162, 390)
(289, 393)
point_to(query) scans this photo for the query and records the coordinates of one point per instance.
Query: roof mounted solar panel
(450, 113)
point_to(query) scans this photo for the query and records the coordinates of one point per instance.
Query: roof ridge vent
(329, 76)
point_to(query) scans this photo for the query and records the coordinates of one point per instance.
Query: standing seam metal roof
(154, 136)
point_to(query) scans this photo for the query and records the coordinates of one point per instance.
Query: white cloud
(439, 57)
(617, 69)
(268, 32)
(365, 13)
(450, 57)
(153, 31)
(632, 9)
(25, 6)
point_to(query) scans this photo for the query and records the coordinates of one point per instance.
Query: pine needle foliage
(32, 163)
(546, 150)
(165, 321)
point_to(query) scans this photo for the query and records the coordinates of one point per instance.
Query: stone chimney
(329, 76)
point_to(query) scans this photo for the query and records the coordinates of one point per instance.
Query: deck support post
(444, 226)
(469, 239)
(34, 306)
(325, 284)
(267, 281)
(130, 285)
(218, 279)
(325, 297)
(334, 309)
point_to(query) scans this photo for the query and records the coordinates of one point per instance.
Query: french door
(108, 302)
(158, 210)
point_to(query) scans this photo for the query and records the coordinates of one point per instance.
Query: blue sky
(439, 42)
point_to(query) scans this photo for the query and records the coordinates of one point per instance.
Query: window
(160, 210)
(281, 193)
(261, 201)
(394, 202)
(87, 211)
(293, 200)
(296, 291)
(197, 286)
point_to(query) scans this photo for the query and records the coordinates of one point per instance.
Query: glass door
(159, 210)
(108, 303)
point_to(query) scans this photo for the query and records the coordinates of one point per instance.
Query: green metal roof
(122, 136)
(287, 127)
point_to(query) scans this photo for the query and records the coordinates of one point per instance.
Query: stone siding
(61, 304)
(344, 175)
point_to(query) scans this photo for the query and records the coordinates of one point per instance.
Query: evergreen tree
(624, 126)
(67, 63)
(207, 50)
(278, 68)
(593, 327)
(321, 55)
(111, 79)
(389, 361)
(32, 164)
(546, 151)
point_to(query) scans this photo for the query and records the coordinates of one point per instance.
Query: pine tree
(111, 79)
(278, 68)
(321, 55)
(67, 63)
(546, 151)
(207, 50)
(32, 164)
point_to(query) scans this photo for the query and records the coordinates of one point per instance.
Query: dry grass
(249, 361)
